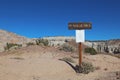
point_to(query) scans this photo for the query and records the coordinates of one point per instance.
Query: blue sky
(38, 18)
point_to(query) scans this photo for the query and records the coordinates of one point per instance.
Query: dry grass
(117, 55)
(68, 59)
(18, 58)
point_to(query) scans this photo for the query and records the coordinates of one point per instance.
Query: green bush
(10, 45)
(67, 48)
(92, 51)
(85, 68)
(45, 42)
(30, 43)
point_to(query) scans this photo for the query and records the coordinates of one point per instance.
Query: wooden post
(80, 54)
(79, 26)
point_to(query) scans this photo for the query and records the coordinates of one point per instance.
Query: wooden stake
(80, 54)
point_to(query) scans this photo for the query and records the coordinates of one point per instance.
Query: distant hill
(59, 40)
(9, 37)
(109, 46)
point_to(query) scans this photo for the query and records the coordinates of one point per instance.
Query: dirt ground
(41, 63)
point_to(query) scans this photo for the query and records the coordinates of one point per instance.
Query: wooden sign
(80, 36)
(79, 25)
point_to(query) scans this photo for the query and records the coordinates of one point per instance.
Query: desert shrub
(45, 42)
(10, 45)
(85, 68)
(67, 48)
(29, 44)
(92, 51)
(66, 40)
(116, 55)
(18, 58)
(68, 59)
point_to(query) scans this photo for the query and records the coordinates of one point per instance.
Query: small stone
(118, 78)
(105, 69)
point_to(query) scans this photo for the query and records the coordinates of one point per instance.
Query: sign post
(80, 54)
(80, 35)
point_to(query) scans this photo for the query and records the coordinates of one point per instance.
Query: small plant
(18, 58)
(67, 48)
(117, 55)
(68, 59)
(85, 68)
(10, 45)
(30, 43)
(45, 42)
(92, 51)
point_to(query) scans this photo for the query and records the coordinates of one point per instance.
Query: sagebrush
(11, 45)
(30, 43)
(67, 48)
(85, 68)
(45, 42)
(92, 51)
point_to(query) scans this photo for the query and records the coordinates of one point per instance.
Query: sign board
(80, 36)
(79, 25)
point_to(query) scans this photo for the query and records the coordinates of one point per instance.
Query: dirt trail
(43, 64)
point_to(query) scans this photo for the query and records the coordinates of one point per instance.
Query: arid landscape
(59, 39)
(40, 62)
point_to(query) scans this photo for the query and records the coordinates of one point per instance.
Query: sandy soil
(40, 63)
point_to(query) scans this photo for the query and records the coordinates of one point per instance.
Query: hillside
(38, 62)
(9, 37)
(59, 40)
(43, 63)
(110, 46)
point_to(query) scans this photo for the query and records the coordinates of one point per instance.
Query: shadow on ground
(76, 68)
